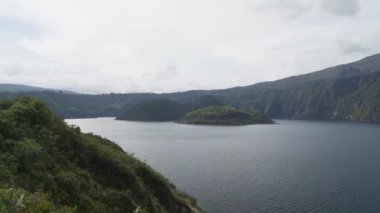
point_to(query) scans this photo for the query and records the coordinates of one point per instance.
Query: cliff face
(46, 165)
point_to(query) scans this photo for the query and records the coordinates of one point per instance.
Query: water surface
(292, 166)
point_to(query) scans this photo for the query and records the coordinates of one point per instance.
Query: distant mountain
(345, 92)
(26, 88)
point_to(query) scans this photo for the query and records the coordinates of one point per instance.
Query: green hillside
(224, 115)
(354, 98)
(48, 166)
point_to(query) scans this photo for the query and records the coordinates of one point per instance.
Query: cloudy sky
(97, 46)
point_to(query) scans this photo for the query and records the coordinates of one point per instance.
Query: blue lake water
(292, 166)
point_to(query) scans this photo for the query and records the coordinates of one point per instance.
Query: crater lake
(291, 166)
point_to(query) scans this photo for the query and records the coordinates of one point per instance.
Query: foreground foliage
(46, 165)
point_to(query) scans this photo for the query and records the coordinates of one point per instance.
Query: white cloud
(297, 8)
(167, 45)
(345, 8)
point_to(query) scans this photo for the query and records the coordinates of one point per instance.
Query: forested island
(48, 166)
(224, 115)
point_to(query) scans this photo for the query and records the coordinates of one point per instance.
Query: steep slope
(46, 165)
(362, 67)
(364, 103)
(324, 95)
(324, 99)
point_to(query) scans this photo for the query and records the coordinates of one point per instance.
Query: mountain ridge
(359, 67)
(8, 87)
(317, 95)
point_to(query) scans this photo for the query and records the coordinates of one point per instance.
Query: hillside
(343, 92)
(153, 110)
(325, 99)
(165, 109)
(48, 166)
(18, 88)
(224, 115)
(26, 88)
(363, 67)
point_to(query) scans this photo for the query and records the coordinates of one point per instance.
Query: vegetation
(364, 103)
(48, 166)
(355, 99)
(224, 115)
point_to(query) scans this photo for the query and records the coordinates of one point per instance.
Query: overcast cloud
(98, 46)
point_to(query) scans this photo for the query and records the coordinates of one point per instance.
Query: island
(224, 115)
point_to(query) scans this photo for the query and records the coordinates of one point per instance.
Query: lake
(292, 166)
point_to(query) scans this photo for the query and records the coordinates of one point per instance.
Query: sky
(99, 46)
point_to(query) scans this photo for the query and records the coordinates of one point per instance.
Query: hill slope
(18, 88)
(363, 67)
(26, 88)
(324, 99)
(47, 166)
